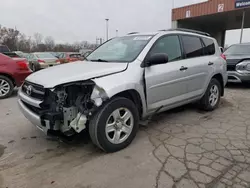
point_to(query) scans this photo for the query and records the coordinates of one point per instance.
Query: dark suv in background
(238, 63)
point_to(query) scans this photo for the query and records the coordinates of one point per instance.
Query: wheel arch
(134, 96)
(8, 76)
(219, 77)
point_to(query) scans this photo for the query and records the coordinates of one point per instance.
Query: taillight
(223, 56)
(58, 61)
(40, 61)
(22, 65)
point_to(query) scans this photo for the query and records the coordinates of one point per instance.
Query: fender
(216, 73)
(120, 82)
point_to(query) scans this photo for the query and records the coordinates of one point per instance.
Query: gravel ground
(184, 147)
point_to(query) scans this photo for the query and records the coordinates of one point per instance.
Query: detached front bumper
(30, 108)
(32, 117)
(236, 77)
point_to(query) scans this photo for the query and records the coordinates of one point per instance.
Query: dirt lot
(184, 147)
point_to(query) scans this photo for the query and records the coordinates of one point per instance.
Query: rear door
(197, 63)
(213, 57)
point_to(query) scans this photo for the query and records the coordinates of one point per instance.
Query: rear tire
(115, 125)
(33, 68)
(211, 99)
(6, 87)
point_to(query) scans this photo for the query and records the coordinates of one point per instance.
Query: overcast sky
(77, 20)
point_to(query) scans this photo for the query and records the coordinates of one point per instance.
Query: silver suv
(124, 81)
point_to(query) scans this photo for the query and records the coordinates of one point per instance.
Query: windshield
(44, 55)
(238, 49)
(122, 49)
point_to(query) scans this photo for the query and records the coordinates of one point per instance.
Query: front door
(166, 83)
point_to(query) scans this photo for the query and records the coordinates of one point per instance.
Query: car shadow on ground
(238, 85)
(84, 137)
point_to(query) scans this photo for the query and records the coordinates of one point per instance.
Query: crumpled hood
(71, 72)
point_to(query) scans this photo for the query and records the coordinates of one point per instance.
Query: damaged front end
(67, 108)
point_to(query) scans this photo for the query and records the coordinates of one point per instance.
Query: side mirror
(158, 58)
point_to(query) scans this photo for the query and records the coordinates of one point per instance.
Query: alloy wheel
(4, 87)
(213, 95)
(119, 125)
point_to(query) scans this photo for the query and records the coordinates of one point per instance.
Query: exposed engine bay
(67, 108)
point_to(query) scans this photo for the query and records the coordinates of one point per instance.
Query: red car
(66, 57)
(13, 72)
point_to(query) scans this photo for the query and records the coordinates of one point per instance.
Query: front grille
(231, 67)
(33, 90)
(231, 64)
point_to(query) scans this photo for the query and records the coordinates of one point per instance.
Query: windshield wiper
(99, 60)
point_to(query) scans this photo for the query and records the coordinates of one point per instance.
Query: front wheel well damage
(220, 79)
(67, 107)
(134, 96)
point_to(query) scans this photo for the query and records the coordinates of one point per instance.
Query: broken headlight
(98, 95)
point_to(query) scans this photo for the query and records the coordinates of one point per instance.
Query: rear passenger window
(75, 55)
(169, 45)
(192, 46)
(209, 46)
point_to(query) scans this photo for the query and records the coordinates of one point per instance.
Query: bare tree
(49, 43)
(38, 38)
(18, 41)
(9, 37)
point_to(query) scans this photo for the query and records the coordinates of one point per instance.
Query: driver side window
(169, 45)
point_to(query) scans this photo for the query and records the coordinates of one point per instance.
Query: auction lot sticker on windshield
(242, 3)
(142, 38)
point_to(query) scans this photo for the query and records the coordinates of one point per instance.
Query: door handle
(183, 68)
(210, 63)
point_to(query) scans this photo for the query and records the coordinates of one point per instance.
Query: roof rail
(191, 31)
(132, 33)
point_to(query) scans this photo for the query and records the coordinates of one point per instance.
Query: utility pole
(17, 47)
(96, 41)
(242, 25)
(107, 29)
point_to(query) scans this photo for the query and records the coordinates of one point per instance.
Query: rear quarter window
(75, 55)
(209, 48)
(192, 46)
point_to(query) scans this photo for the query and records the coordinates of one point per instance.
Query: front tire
(211, 100)
(115, 125)
(6, 87)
